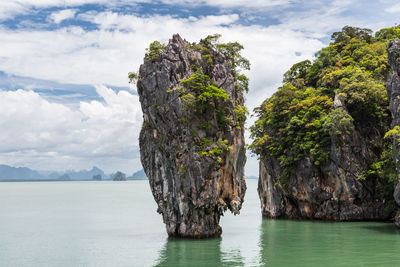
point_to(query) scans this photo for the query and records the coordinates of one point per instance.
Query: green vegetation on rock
(232, 52)
(204, 102)
(300, 120)
(394, 133)
(210, 148)
(133, 77)
(207, 98)
(153, 52)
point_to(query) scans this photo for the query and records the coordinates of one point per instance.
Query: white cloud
(393, 9)
(10, 8)
(55, 136)
(61, 15)
(317, 23)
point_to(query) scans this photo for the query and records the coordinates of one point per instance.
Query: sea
(107, 223)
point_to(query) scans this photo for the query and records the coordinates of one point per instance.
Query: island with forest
(325, 138)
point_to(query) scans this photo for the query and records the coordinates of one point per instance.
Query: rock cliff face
(191, 142)
(322, 137)
(393, 89)
(328, 192)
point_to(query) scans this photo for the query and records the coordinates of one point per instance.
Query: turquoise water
(115, 224)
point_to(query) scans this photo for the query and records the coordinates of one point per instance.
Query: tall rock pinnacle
(192, 142)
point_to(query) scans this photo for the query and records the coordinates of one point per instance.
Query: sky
(65, 100)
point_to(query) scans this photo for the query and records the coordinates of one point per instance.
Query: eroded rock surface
(192, 148)
(329, 192)
(323, 137)
(393, 89)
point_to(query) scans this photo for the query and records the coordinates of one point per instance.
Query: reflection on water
(238, 246)
(178, 252)
(181, 252)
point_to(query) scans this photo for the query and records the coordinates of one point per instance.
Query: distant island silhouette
(10, 174)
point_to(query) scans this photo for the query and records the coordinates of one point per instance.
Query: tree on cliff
(299, 121)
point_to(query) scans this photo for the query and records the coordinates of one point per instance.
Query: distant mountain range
(9, 173)
(80, 175)
(139, 175)
(21, 173)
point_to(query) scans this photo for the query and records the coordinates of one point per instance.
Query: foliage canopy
(232, 52)
(300, 120)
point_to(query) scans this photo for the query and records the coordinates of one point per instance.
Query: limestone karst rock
(393, 89)
(191, 141)
(322, 138)
(328, 192)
